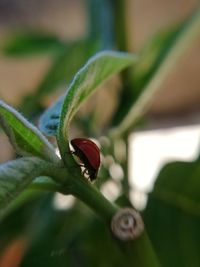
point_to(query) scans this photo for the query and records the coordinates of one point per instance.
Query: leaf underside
(25, 138)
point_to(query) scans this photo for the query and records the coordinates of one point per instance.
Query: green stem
(123, 161)
(122, 44)
(101, 23)
(126, 185)
(83, 190)
(137, 252)
(89, 194)
(120, 24)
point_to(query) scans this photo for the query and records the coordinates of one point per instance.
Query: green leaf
(63, 68)
(172, 216)
(152, 55)
(45, 183)
(96, 71)
(15, 176)
(31, 43)
(25, 138)
(49, 120)
(149, 59)
(154, 65)
(72, 237)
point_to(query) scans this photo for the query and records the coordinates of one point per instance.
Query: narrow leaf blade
(31, 43)
(25, 138)
(96, 71)
(150, 73)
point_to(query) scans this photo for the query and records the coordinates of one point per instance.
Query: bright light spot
(138, 198)
(63, 202)
(110, 190)
(150, 150)
(116, 172)
(57, 152)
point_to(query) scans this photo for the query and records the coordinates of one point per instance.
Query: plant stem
(125, 182)
(88, 193)
(76, 185)
(138, 252)
(101, 23)
(120, 24)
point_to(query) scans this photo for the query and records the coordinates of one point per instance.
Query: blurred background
(171, 130)
(176, 103)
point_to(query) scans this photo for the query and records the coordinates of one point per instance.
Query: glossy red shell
(89, 154)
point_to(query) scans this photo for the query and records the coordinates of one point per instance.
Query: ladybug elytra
(89, 154)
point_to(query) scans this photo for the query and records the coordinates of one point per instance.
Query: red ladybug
(89, 154)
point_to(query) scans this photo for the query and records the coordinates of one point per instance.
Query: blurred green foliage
(173, 210)
(75, 237)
